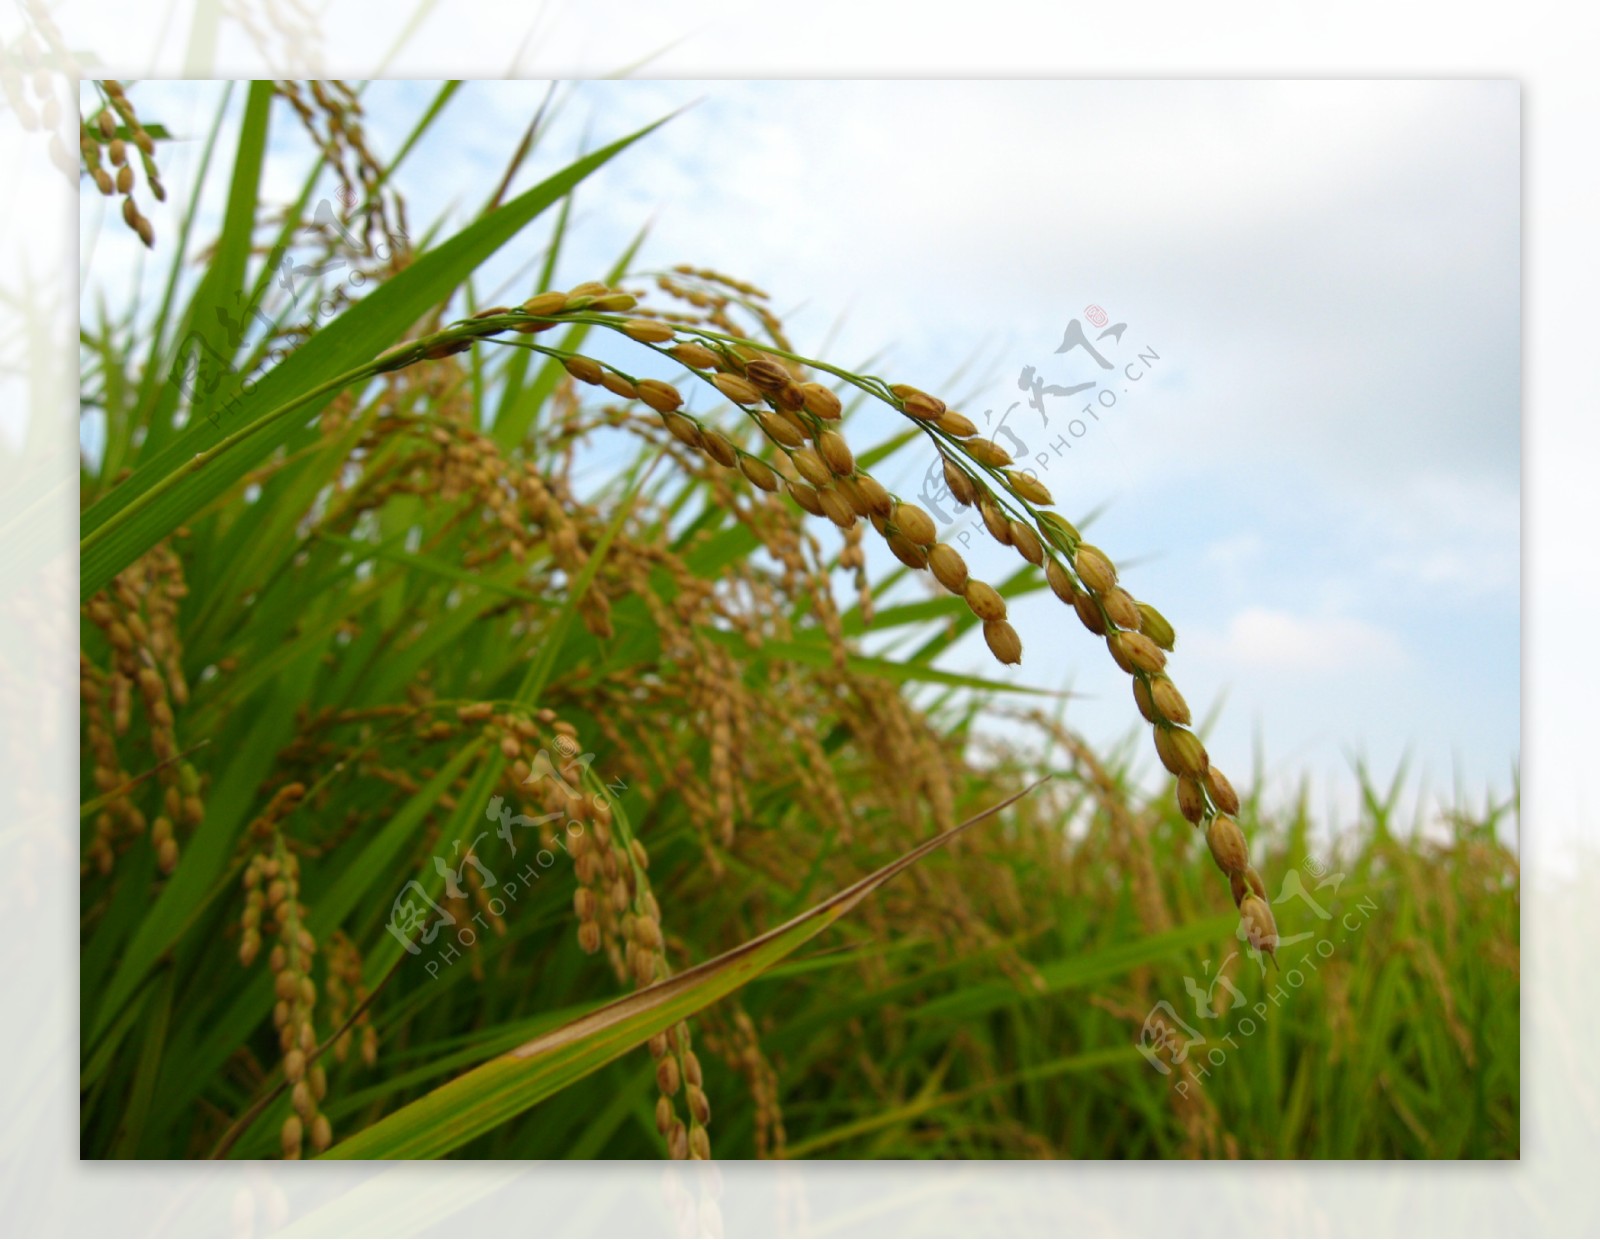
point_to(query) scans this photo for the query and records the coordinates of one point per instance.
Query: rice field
(484, 756)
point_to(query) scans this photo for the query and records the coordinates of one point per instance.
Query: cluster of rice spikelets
(333, 119)
(614, 904)
(805, 455)
(546, 780)
(103, 144)
(37, 67)
(284, 34)
(772, 742)
(1139, 638)
(273, 907)
(728, 1031)
(530, 512)
(137, 618)
(347, 994)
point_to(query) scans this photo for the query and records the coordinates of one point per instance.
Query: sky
(1315, 473)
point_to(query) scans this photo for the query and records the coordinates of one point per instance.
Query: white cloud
(1260, 638)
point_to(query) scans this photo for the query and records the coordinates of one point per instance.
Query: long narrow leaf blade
(506, 1086)
(358, 335)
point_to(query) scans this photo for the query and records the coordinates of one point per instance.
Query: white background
(1543, 48)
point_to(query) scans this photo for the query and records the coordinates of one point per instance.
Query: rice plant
(482, 758)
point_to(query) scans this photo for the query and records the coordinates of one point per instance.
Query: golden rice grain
(917, 403)
(720, 448)
(1221, 791)
(821, 402)
(1243, 884)
(1154, 626)
(768, 374)
(648, 331)
(947, 566)
(959, 483)
(618, 385)
(1060, 581)
(915, 524)
(789, 397)
(291, 1136)
(1168, 701)
(812, 467)
(662, 397)
(584, 369)
(984, 600)
(912, 555)
(1088, 609)
(1191, 800)
(1027, 542)
(1029, 487)
(806, 497)
(1134, 652)
(1180, 751)
(836, 508)
(1095, 568)
(692, 1071)
(739, 391)
(1260, 928)
(836, 453)
(854, 495)
(995, 521)
(956, 424)
(758, 473)
(684, 430)
(695, 355)
(987, 452)
(1120, 608)
(878, 499)
(646, 932)
(1227, 846)
(797, 423)
(1003, 641)
(780, 430)
(542, 304)
(1141, 652)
